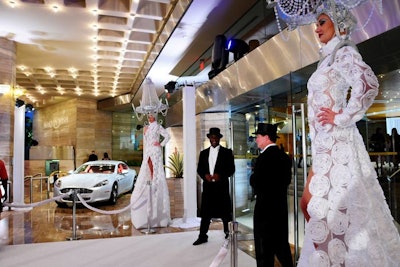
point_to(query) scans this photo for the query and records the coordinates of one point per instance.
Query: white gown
(156, 211)
(350, 220)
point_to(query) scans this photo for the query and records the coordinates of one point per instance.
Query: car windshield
(101, 168)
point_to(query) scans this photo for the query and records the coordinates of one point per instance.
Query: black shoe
(200, 240)
(226, 235)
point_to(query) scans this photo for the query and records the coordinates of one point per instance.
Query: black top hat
(214, 131)
(267, 129)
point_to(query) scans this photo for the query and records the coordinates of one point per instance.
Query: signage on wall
(55, 119)
(55, 123)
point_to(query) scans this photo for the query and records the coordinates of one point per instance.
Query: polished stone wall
(7, 102)
(74, 123)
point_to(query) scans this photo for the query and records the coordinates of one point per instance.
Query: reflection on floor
(50, 223)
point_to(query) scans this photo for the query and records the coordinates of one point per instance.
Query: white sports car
(96, 181)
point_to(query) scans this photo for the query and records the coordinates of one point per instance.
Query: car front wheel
(114, 194)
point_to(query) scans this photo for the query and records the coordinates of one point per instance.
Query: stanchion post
(233, 231)
(74, 199)
(149, 230)
(233, 226)
(31, 189)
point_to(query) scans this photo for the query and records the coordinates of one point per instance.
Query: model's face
(151, 118)
(325, 28)
(214, 140)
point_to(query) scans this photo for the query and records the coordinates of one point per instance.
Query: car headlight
(57, 183)
(102, 183)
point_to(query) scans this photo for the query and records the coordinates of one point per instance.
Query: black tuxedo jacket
(271, 177)
(216, 202)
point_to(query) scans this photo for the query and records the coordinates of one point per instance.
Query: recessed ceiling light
(12, 3)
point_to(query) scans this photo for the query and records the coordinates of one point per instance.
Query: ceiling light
(18, 92)
(55, 8)
(12, 3)
(4, 88)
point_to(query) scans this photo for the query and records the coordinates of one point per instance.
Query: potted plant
(175, 184)
(176, 164)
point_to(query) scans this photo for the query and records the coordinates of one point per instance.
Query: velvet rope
(219, 258)
(108, 212)
(31, 205)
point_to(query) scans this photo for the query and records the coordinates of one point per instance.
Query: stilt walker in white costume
(150, 198)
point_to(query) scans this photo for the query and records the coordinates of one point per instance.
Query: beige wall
(7, 102)
(75, 123)
(7, 130)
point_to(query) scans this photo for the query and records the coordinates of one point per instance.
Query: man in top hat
(216, 164)
(270, 180)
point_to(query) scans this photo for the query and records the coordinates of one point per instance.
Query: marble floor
(50, 223)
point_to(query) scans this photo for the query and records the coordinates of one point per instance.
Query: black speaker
(220, 56)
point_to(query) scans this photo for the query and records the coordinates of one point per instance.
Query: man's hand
(212, 178)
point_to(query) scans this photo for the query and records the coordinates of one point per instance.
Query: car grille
(78, 190)
(70, 198)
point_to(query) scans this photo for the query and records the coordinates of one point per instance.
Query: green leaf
(176, 164)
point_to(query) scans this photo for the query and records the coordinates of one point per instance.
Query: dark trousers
(205, 224)
(270, 240)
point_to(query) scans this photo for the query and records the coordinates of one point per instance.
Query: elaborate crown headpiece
(150, 104)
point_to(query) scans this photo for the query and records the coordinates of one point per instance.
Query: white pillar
(190, 153)
(19, 152)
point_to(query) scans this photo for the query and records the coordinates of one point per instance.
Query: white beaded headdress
(302, 12)
(341, 16)
(150, 104)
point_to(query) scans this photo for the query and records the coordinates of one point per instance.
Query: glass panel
(274, 108)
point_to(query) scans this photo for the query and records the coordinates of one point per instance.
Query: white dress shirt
(212, 158)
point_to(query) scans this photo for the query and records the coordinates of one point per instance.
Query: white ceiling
(99, 49)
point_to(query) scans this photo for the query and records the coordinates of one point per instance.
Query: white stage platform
(174, 249)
